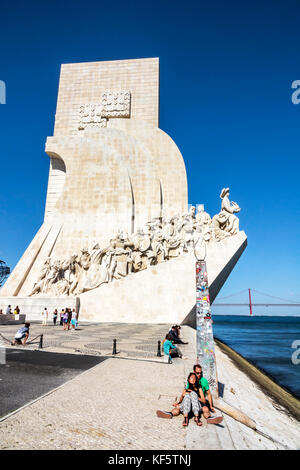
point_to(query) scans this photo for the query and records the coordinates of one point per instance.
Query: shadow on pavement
(30, 374)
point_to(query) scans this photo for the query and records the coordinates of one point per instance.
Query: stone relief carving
(90, 116)
(160, 240)
(116, 104)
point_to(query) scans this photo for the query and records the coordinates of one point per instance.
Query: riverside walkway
(112, 405)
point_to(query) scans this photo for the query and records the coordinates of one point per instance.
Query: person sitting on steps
(207, 403)
(174, 333)
(194, 382)
(188, 401)
(171, 350)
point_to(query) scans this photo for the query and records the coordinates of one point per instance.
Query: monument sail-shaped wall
(116, 202)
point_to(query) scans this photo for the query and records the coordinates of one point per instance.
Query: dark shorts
(206, 404)
(175, 352)
(19, 340)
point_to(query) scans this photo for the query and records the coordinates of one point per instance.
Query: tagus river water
(266, 341)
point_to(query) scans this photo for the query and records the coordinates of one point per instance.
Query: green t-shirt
(203, 384)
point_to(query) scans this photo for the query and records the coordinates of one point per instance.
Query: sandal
(216, 420)
(197, 421)
(185, 421)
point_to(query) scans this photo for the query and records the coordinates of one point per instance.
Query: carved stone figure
(38, 286)
(159, 241)
(226, 223)
(52, 277)
(202, 217)
(199, 244)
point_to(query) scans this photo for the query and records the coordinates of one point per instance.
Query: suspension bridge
(251, 304)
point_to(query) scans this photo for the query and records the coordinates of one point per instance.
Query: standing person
(65, 319)
(1, 311)
(61, 322)
(44, 316)
(69, 317)
(73, 320)
(22, 334)
(8, 310)
(55, 314)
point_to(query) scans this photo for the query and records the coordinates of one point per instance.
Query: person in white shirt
(8, 310)
(45, 316)
(74, 320)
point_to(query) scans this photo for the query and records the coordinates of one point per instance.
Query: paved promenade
(112, 406)
(133, 340)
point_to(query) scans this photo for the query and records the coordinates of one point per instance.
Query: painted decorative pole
(205, 340)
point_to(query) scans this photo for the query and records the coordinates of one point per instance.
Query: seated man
(171, 350)
(22, 334)
(207, 403)
(189, 401)
(173, 332)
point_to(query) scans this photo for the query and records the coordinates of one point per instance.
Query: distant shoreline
(279, 394)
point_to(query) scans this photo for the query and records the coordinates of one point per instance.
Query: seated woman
(192, 398)
(170, 350)
(188, 401)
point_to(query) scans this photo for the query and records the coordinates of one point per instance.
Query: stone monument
(118, 240)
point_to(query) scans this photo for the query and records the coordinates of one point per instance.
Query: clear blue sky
(226, 70)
